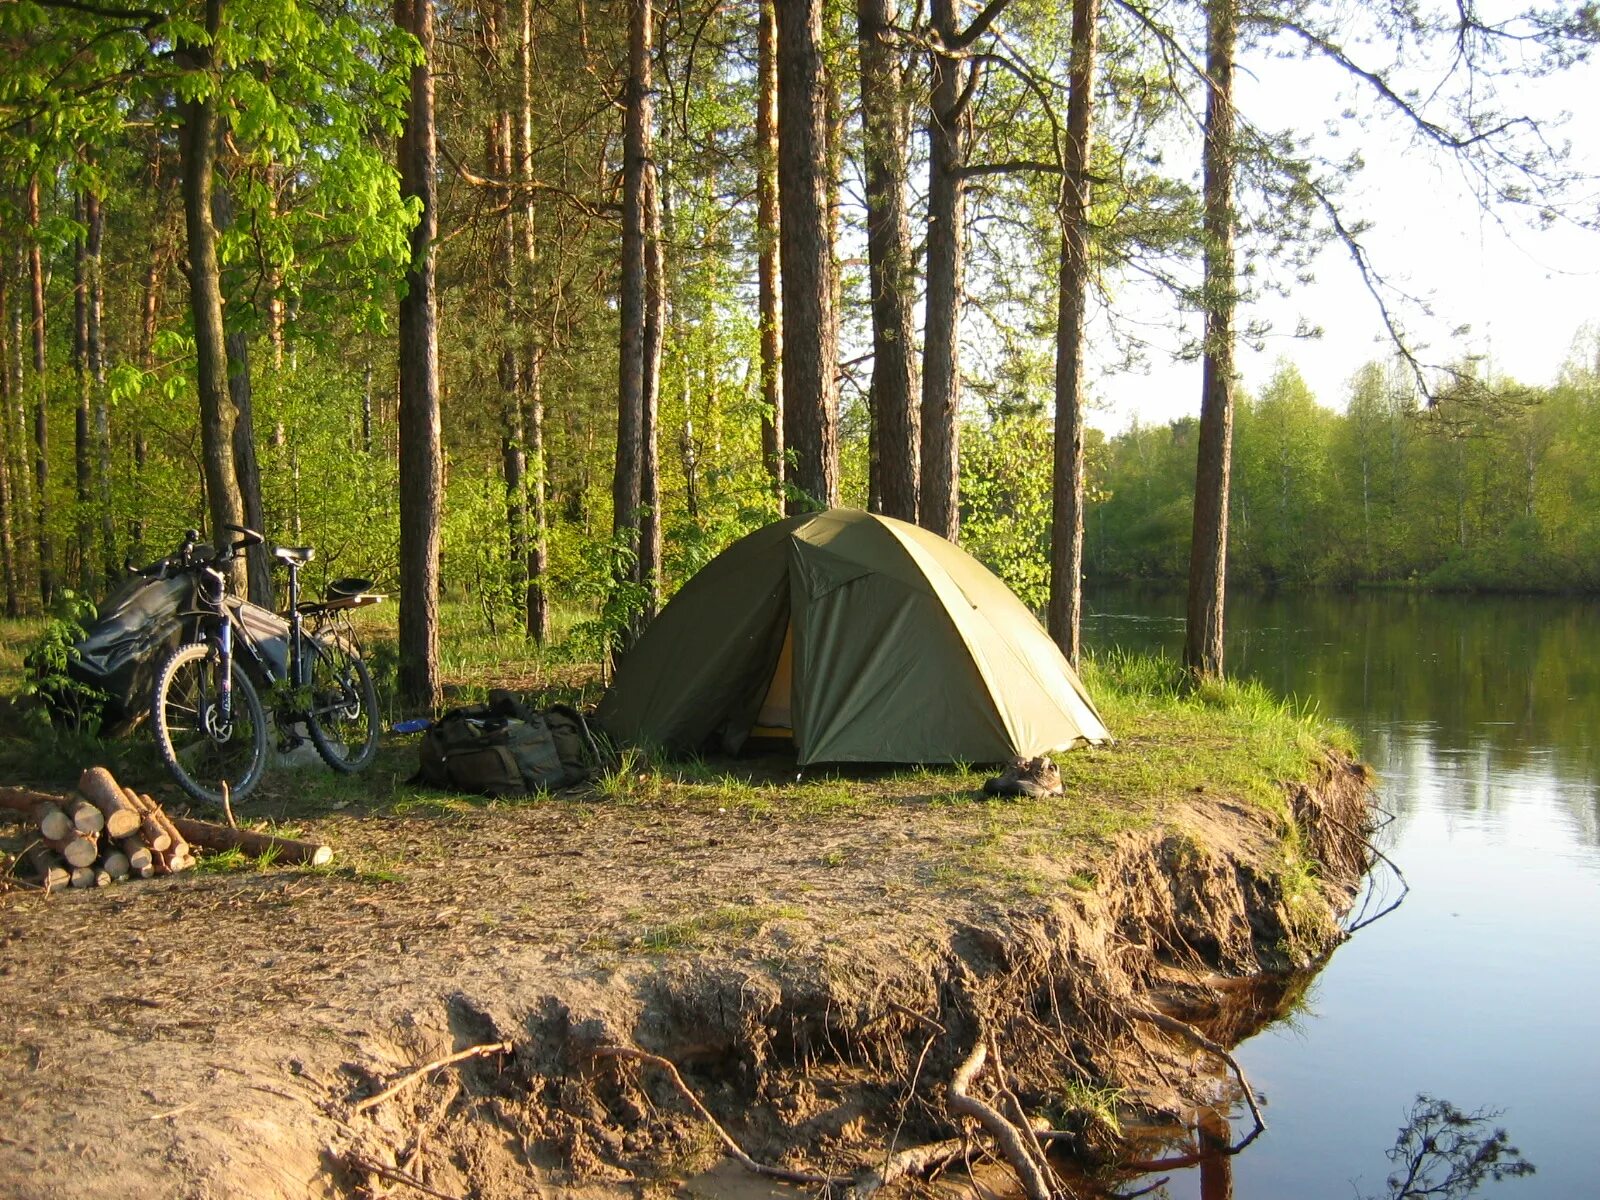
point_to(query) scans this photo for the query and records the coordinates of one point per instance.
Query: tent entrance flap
(776, 718)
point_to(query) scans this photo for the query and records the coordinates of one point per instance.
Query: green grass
(730, 922)
(1176, 738)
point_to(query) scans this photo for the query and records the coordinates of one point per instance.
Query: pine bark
(421, 456)
(9, 350)
(246, 466)
(536, 604)
(1066, 527)
(83, 552)
(767, 239)
(97, 378)
(41, 406)
(896, 431)
(810, 381)
(627, 478)
(939, 509)
(1208, 550)
(655, 317)
(199, 147)
(513, 434)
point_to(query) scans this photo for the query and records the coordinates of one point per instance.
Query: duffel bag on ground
(505, 748)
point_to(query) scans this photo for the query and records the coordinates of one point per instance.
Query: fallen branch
(222, 837)
(667, 1068)
(1005, 1134)
(1191, 1034)
(358, 1161)
(410, 1077)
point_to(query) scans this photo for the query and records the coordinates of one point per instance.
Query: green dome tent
(862, 638)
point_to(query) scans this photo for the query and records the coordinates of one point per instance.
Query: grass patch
(736, 922)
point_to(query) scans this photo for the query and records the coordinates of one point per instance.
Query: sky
(1524, 293)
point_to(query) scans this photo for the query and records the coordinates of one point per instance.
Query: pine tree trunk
(82, 556)
(97, 376)
(632, 302)
(421, 456)
(1066, 527)
(41, 407)
(17, 442)
(537, 608)
(199, 146)
(9, 350)
(246, 466)
(1208, 550)
(940, 505)
(538, 605)
(513, 435)
(655, 316)
(810, 368)
(767, 238)
(896, 431)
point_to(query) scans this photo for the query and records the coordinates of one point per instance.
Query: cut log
(102, 877)
(98, 787)
(82, 877)
(86, 818)
(47, 866)
(116, 865)
(221, 837)
(139, 856)
(152, 809)
(151, 831)
(52, 822)
(78, 850)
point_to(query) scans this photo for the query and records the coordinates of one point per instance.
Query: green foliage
(1005, 502)
(1489, 488)
(68, 702)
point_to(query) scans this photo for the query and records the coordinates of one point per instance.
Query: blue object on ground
(411, 725)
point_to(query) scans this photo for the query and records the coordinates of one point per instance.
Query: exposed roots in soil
(854, 1068)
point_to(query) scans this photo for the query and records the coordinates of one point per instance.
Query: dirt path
(207, 1035)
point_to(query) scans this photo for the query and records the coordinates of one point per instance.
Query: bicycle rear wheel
(343, 714)
(199, 749)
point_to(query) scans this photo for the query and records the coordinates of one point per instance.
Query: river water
(1482, 717)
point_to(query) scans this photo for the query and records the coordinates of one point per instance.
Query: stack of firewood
(105, 834)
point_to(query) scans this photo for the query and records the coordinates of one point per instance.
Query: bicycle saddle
(296, 555)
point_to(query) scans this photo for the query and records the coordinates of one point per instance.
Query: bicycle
(209, 723)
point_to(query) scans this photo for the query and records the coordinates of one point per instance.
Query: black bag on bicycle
(505, 748)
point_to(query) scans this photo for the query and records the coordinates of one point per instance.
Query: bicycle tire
(189, 745)
(343, 714)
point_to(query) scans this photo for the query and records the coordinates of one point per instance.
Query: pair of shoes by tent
(1035, 778)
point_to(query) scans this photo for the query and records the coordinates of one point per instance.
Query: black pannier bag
(140, 623)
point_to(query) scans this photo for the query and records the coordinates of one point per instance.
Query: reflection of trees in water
(1440, 1153)
(1491, 692)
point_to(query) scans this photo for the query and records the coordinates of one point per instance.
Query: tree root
(1192, 1035)
(410, 1077)
(666, 1067)
(1005, 1134)
(357, 1161)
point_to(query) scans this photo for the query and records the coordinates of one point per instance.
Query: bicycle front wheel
(343, 714)
(200, 747)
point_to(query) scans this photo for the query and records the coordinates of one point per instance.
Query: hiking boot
(1036, 778)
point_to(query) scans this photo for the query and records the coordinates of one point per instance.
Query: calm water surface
(1483, 718)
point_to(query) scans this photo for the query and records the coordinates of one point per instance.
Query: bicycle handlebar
(183, 558)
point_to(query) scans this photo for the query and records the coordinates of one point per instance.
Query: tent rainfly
(860, 638)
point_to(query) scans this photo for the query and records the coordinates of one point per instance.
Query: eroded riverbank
(817, 977)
